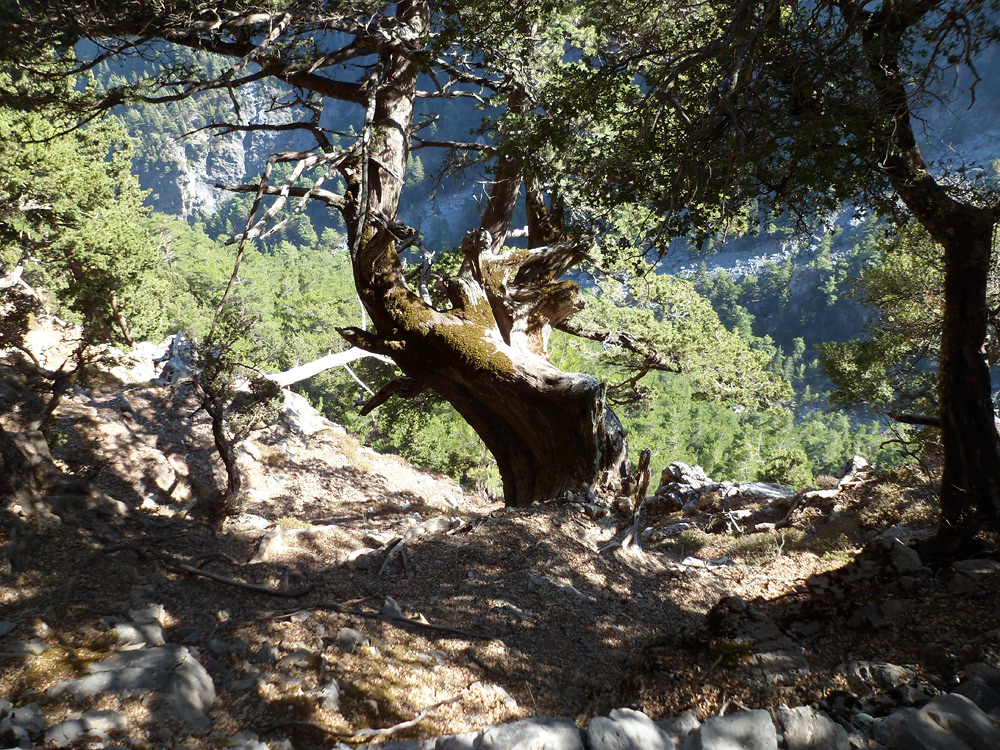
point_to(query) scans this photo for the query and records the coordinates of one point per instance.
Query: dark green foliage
(789, 466)
(69, 201)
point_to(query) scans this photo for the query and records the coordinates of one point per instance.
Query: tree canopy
(630, 124)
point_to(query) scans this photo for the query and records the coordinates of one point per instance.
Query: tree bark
(970, 483)
(549, 431)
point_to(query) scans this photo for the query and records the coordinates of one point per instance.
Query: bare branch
(651, 360)
(404, 387)
(453, 145)
(915, 419)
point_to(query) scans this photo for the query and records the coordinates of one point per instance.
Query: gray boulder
(625, 729)
(21, 725)
(92, 724)
(976, 570)
(183, 689)
(747, 730)
(805, 728)
(679, 727)
(949, 722)
(980, 693)
(533, 734)
(865, 676)
(985, 672)
(904, 558)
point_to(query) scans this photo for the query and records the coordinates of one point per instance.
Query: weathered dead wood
(429, 528)
(405, 387)
(330, 361)
(171, 562)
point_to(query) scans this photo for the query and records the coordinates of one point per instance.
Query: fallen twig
(170, 562)
(363, 733)
(429, 528)
(291, 593)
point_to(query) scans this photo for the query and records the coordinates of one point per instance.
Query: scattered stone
(328, 695)
(904, 559)
(143, 634)
(747, 730)
(960, 584)
(805, 728)
(348, 639)
(679, 727)
(182, 687)
(533, 734)
(980, 693)
(511, 609)
(882, 729)
(985, 672)
(151, 613)
(266, 654)
(850, 469)
(625, 729)
(862, 676)
(949, 722)
(34, 647)
(246, 741)
(92, 724)
(22, 725)
(248, 522)
(300, 657)
(395, 745)
(465, 741)
(976, 570)
(359, 559)
(391, 610)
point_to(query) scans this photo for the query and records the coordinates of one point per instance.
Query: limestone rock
(465, 741)
(328, 695)
(984, 696)
(182, 687)
(747, 730)
(348, 639)
(679, 727)
(22, 725)
(949, 722)
(625, 729)
(851, 469)
(865, 676)
(904, 559)
(79, 727)
(805, 728)
(985, 672)
(976, 570)
(533, 734)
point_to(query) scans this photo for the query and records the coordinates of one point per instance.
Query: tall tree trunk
(970, 485)
(549, 431)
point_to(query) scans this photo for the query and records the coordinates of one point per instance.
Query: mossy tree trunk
(486, 354)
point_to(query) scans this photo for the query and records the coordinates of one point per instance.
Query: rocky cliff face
(183, 173)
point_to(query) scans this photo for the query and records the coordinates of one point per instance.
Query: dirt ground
(505, 613)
